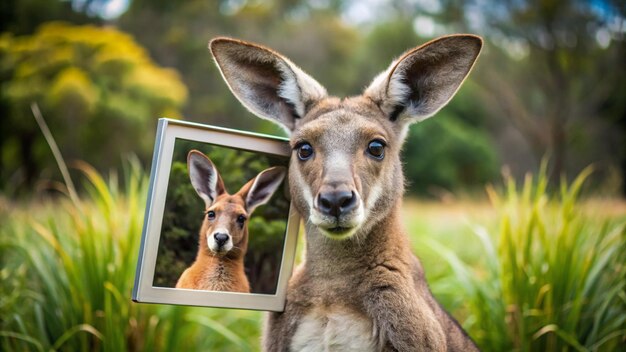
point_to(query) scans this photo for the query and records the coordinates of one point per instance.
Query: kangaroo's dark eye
(305, 151)
(376, 149)
(241, 219)
(210, 215)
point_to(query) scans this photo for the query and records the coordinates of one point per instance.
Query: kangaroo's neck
(215, 272)
(383, 238)
(219, 267)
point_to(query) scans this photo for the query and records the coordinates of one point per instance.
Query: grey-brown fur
(359, 287)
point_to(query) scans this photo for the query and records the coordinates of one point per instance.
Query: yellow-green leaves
(72, 88)
(99, 91)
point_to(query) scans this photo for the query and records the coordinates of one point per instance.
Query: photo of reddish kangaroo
(223, 237)
(213, 240)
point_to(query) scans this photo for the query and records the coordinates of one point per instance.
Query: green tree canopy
(99, 91)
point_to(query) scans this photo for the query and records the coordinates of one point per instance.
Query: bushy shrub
(98, 89)
(445, 153)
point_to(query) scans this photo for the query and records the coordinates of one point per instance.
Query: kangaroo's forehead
(335, 121)
(229, 203)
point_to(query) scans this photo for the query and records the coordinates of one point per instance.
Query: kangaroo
(359, 287)
(224, 233)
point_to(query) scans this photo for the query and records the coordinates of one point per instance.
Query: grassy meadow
(522, 272)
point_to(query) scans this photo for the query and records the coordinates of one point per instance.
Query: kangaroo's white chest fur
(334, 329)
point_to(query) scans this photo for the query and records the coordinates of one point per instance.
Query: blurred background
(551, 80)
(546, 100)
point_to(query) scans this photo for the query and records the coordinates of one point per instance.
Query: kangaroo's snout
(336, 203)
(221, 239)
(337, 209)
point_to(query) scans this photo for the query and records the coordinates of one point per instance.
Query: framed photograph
(219, 227)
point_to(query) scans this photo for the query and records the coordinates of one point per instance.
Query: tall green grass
(552, 278)
(66, 273)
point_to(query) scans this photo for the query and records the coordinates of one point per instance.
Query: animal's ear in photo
(260, 189)
(204, 177)
(424, 79)
(265, 82)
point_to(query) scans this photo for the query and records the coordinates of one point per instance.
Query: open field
(531, 273)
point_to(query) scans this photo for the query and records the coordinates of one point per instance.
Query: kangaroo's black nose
(336, 203)
(220, 239)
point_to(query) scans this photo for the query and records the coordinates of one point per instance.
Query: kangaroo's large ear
(424, 79)
(204, 177)
(265, 82)
(261, 188)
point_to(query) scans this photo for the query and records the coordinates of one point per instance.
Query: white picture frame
(170, 133)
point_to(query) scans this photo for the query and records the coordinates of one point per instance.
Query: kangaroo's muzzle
(337, 211)
(219, 242)
(336, 203)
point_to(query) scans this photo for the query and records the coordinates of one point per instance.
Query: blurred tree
(98, 90)
(553, 70)
(24, 16)
(445, 154)
(568, 71)
(318, 40)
